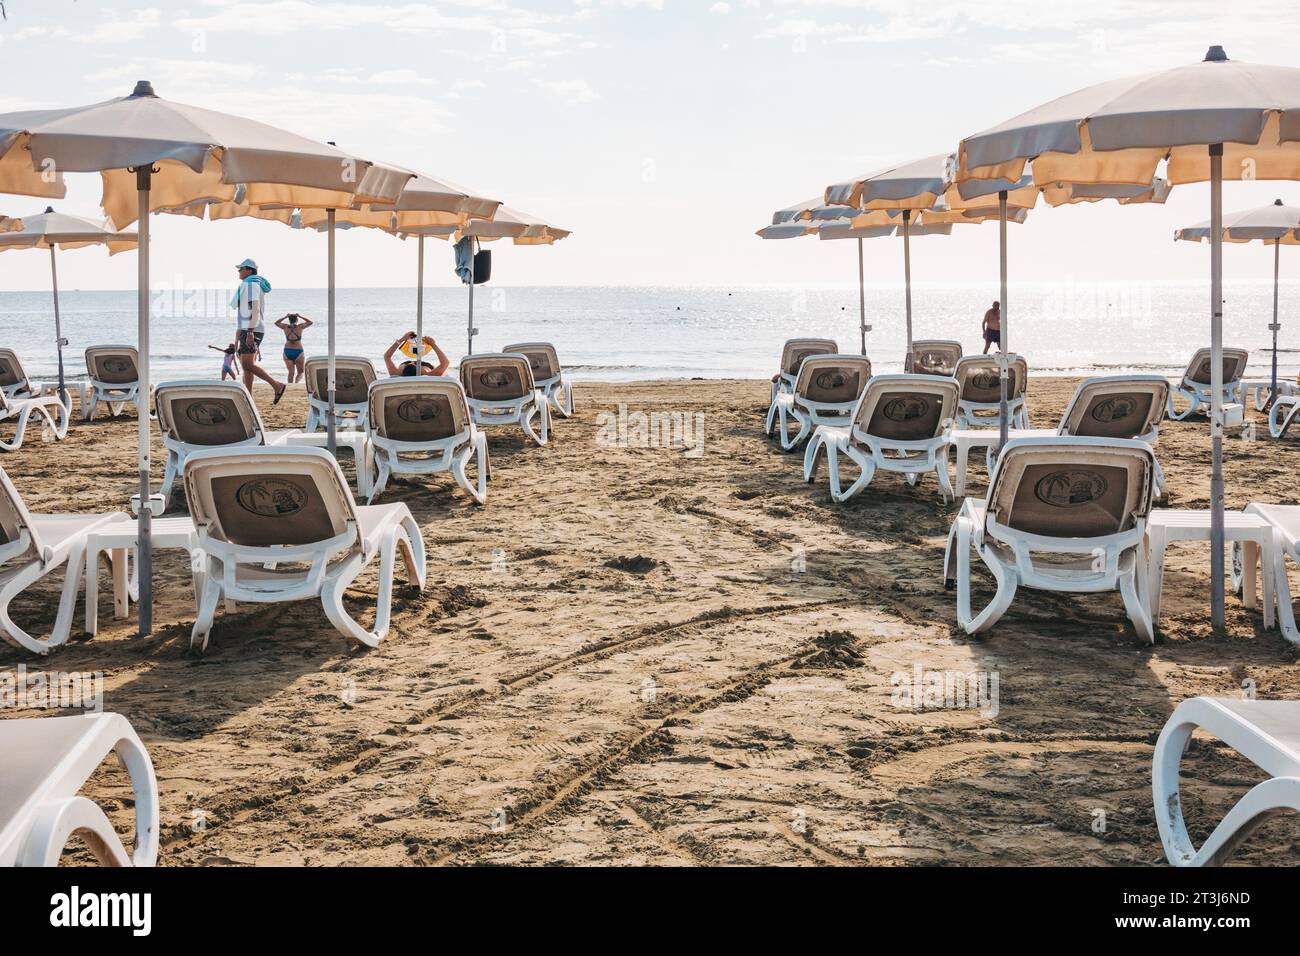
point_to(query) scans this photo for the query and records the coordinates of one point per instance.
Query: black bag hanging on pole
(482, 266)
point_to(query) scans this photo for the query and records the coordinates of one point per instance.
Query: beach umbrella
(521, 228)
(8, 224)
(55, 230)
(785, 223)
(910, 189)
(1276, 225)
(155, 154)
(816, 226)
(1205, 121)
(425, 202)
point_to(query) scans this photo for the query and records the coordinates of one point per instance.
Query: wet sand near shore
(634, 656)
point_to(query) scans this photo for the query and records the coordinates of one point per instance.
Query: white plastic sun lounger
(47, 760)
(980, 402)
(901, 424)
(1266, 732)
(933, 357)
(1195, 384)
(35, 545)
(14, 382)
(500, 390)
(826, 391)
(1119, 406)
(1285, 520)
(1084, 499)
(199, 413)
(352, 377)
(279, 524)
(114, 373)
(50, 412)
(792, 355)
(422, 426)
(548, 374)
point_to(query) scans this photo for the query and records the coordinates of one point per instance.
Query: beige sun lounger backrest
(977, 375)
(542, 358)
(1120, 406)
(14, 519)
(206, 413)
(1234, 365)
(796, 350)
(496, 377)
(1072, 487)
(832, 379)
(424, 409)
(113, 364)
(262, 497)
(913, 407)
(11, 370)
(352, 377)
(934, 356)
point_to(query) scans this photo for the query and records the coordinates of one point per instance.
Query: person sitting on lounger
(293, 326)
(992, 326)
(410, 367)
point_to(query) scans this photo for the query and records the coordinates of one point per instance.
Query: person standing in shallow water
(293, 325)
(993, 327)
(249, 304)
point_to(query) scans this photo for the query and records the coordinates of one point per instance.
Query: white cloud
(115, 29)
(720, 8)
(400, 77)
(573, 91)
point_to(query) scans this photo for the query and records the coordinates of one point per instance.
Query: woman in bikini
(293, 325)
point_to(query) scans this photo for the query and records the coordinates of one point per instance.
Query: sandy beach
(636, 656)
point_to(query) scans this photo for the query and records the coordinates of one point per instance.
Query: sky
(662, 132)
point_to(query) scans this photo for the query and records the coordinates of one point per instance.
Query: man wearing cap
(249, 304)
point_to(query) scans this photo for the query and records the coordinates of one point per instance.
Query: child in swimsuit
(293, 325)
(228, 363)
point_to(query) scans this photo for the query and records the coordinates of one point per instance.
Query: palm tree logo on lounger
(271, 497)
(1069, 489)
(207, 413)
(1114, 409)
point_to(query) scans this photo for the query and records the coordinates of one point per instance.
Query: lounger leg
(169, 477)
(1130, 590)
(1282, 592)
(941, 472)
(811, 454)
(771, 413)
(868, 466)
(19, 430)
(381, 480)
(207, 609)
(58, 821)
(1007, 583)
(1250, 556)
(1191, 398)
(332, 600)
(1260, 803)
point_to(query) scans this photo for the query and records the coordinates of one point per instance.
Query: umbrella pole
(862, 300)
(470, 325)
(144, 543)
(1277, 255)
(419, 301)
(331, 436)
(1216, 388)
(907, 274)
(58, 327)
(1003, 423)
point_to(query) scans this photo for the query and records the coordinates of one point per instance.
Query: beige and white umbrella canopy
(523, 229)
(197, 154)
(1274, 225)
(154, 154)
(1214, 120)
(9, 224)
(55, 230)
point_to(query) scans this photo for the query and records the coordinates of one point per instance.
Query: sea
(623, 333)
